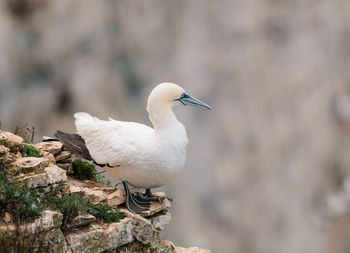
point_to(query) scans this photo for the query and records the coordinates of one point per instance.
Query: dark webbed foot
(148, 196)
(134, 204)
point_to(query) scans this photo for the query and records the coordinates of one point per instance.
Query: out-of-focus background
(268, 170)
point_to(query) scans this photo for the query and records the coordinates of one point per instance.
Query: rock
(51, 175)
(94, 196)
(143, 230)
(29, 164)
(49, 219)
(34, 180)
(98, 238)
(160, 221)
(4, 153)
(191, 250)
(83, 220)
(116, 198)
(10, 140)
(52, 147)
(164, 247)
(97, 192)
(47, 227)
(86, 241)
(145, 233)
(63, 155)
(55, 241)
(55, 174)
(118, 234)
(48, 156)
(67, 167)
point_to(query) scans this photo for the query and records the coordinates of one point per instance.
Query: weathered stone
(10, 140)
(48, 220)
(48, 156)
(191, 250)
(93, 196)
(63, 155)
(118, 234)
(145, 233)
(55, 174)
(29, 164)
(86, 241)
(137, 247)
(116, 198)
(51, 175)
(134, 216)
(34, 180)
(67, 167)
(98, 238)
(12, 157)
(83, 220)
(55, 241)
(160, 221)
(52, 147)
(4, 153)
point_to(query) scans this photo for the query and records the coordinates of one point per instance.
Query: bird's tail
(74, 143)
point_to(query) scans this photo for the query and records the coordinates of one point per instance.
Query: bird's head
(167, 95)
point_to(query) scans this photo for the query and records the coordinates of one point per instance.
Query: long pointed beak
(187, 100)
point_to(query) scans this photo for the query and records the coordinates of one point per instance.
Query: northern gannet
(142, 156)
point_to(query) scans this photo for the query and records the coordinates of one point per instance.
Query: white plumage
(143, 156)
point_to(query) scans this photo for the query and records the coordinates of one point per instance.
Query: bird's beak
(187, 100)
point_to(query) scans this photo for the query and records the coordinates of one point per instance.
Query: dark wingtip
(58, 134)
(74, 142)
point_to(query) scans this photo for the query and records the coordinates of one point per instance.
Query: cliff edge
(51, 201)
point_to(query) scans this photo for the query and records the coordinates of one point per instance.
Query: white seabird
(142, 156)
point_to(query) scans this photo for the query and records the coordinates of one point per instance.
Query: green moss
(30, 151)
(106, 213)
(84, 170)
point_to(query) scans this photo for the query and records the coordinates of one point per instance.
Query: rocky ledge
(46, 205)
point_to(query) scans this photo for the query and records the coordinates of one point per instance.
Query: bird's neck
(163, 118)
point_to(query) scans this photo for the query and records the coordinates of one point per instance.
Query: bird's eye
(183, 95)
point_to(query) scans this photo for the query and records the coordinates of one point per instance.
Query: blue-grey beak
(187, 100)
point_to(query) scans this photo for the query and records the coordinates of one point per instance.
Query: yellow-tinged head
(166, 95)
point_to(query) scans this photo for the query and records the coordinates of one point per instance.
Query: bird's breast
(160, 163)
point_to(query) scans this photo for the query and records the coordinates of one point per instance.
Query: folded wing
(112, 142)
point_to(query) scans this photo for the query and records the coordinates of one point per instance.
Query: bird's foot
(134, 204)
(148, 196)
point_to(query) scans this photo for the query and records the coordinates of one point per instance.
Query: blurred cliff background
(268, 170)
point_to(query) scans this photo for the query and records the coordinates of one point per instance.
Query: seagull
(139, 155)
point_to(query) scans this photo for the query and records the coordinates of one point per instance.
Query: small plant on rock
(84, 170)
(30, 151)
